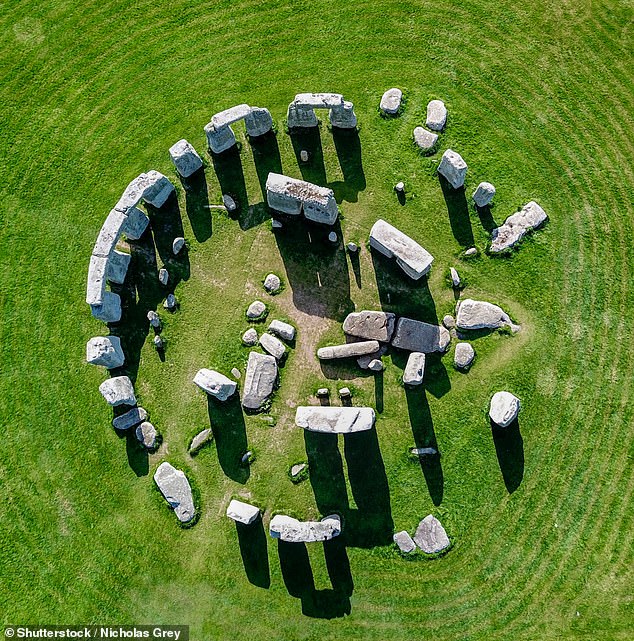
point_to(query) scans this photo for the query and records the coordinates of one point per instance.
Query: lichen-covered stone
(515, 227)
(371, 325)
(391, 101)
(215, 384)
(105, 351)
(177, 491)
(185, 158)
(436, 115)
(118, 390)
(453, 168)
(334, 420)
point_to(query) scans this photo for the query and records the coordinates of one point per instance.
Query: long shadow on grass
(309, 139)
(197, 204)
(253, 549)
(348, 147)
(509, 447)
(458, 212)
(266, 156)
(486, 217)
(227, 424)
(326, 472)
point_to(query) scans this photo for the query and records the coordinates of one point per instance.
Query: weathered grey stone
(158, 343)
(131, 418)
(515, 227)
(258, 122)
(250, 337)
(170, 303)
(276, 224)
(449, 321)
(345, 392)
(231, 115)
(163, 276)
(364, 361)
(259, 380)
(229, 203)
(332, 237)
(303, 155)
(424, 451)
(96, 283)
(414, 371)
(256, 310)
(247, 458)
(318, 100)
(272, 283)
(391, 101)
(110, 310)
(375, 365)
(334, 420)
(348, 350)
(220, 139)
(344, 116)
(472, 251)
(235, 372)
(323, 391)
(410, 256)
(133, 193)
(504, 408)
(463, 356)
(416, 336)
(483, 194)
(453, 168)
(242, 512)
(353, 248)
(455, 278)
(109, 234)
(297, 469)
(201, 439)
(105, 351)
(292, 196)
(399, 187)
(158, 190)
(299, 116)
(291, 530)
(272, 345)
(135, 224)
(477, 314)
(146, 434)
(154, 319)
(283, 330)
(425, 140)
(215, 384)
(177, 245)
(185, 158)
(118, 390)
(371, 325)
(404, 542)
(175, 487)
(436, 115)
(430, 535)
(117, 269)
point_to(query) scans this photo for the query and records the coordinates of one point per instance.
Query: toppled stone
(242, 512)
(404, 542)
(185, 158)
(364, 361)
(410, 256)
(283, 330)
(215, 384)
(256, 310)
(414, 371)
(323, 391)
(371, 325)
(291, 530)
(449, 321)
(158, 190)
(175, 487)
(135, 224)
(146, 434)
(334, 420)
(154, 319)
(430, 535)
(110, 309)
(477, 314)
(453, 168)
(345, 392)
(417, 336)
(425, 140)
(250, 337)
(332, 237)
(375, 365)
(272, 345)
(177, 245)
(117, 268)
(200, 440)
(472, 251)
(391, 101)
(96, 283)
(258, 122)
(436, 115)
(424, 451)
(272, 284)
(504, 408)
(353, 248)
(159, 343)
(463, 356)
(118, 390)
(483, 195)
(229, 203)
(347, 350)
(131, 418)
(292, 196)
(235, 372)
(455, 278)
(105, 351)
(259, 380)
(303, 155)
(163, 276)
(515, 227)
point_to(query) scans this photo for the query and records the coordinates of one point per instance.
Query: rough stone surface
(96, 283)
(375, 365)
(343, 117)
(424, 451)
(371, 325)
(258, 122)
(410, 256)
(131, 418)
(154, 319)
(364, 361)
(159, 343)
(416, 336)
(247, 458)
(391, 101)
(158, 190)
(404, 542)
(185, 158)
(250, 337)
(146, 434)
(291, 530)
(425, 140)
(483, 195)
(332, 237)
(276, 224)
(463, 356)
(353, 248)
(118, 390)
(170, 303)
(515, 227)
(215, 384)
(135, 224)
(272, 345)
(430, 535)
(345, 392)
(504, 408)
(110, 310)
(472, 251)
(109, 234)
(477, 314)
(117, 268)
(235, 372)
(105, 351)
(230, 115)
(303, 155)
(347, 350)
(449, 321)
(414, 371)
(175, 488)
(177, 245)
(229, 203)
(297, 469)
(283, 330)
(272, 284)
(202, 438)
(455, 278)
(334, 420)
(292, 196)
(163, 276)
(399, 187)
(242, 512)
(323, 391)
(453, 168)
(436, 115)
(256, 310)
(259, 380)
(219, 139)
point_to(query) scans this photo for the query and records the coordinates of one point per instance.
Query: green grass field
(541, 103)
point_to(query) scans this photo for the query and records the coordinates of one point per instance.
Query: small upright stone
(431, 536)
(404, 542)
(472, 251)
(449, 321)
(158, 343)
(178, 244)
(436, 115)
(332, 237)
(146, 435)
(163, 276)
(353, 248)
(504, 408)
(345, 392)
(118, 390)
(483, 194)
(303, 155)
(391, 101)
(105, 351)
(455, 278)
(453, 168)
(370, 325)
(272, 284)
(229, 203)
(250, 337)
(399, 187)
(170, 303)
(464, 355)
(256, 310)
(154, 319)
(424, 139)
(323, 391)
(185, 158)
(375, 365)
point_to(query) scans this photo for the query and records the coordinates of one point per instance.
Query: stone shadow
(509, 448)
(253, 549)
(486, 217)
(343, 369)
(379, 387)
(348, 147)
(266, 156)
(355, 263)
(197, 204)
(458, 211)
(227, 424)
(309, 139)
(326, 472)
(228, 168)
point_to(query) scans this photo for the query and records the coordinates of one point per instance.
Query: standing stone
(453, 168)
(477, 314)
(345, 392)
(242, 512)
(229, 203)
(272, 345)
(370, 325)
(118, 391)
(391, 101)
(175, 487)
(425, 140)
(105, 351)
(347, 350)
(215, 384)
(483, 194)
(159, 343)
(256, 310)
(250, 337)
(177, 245)
(415, 369)
(135, 224)
(201, 439)
(185, 158)
(303, 155)
(117, 269)
(235, 372)
(258, 122)
(332, 237)
(404, 542)
(272, 284)
(400, 187)
(449, 321)
(131, 418)
(163, 276)
(416, 336)
(431, 536)
(375, 365)
(455, 278)
(353, 248)
(472, 251)
(504, 408)
(146, 435)
(334, 420)
(259, 380)
(291, 530)
(515, 227)
(436, 115)
(463, 356)
(158, 190)
(110, 310)
(283, 330)
(154, 319)
(323, 391)
(170, 303)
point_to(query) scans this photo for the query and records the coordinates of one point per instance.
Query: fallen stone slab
(414, 371)
(515, 227)
(118, 390)
(430, 535)
(158, 190)
(478, 314)
(424, 451)
(282, 329)
(483, 195)
(131, 418)
(135, 224)
(391, 101)
(410, 256)
(291, 530)
(117, 268)
(334, 420)
(215, 384)
(242, 512)
(105, 351)
(463, 356)
(185, 158)
(453, 168)
(378, 326)
(200, 440)
(436, 115)
(404, 542)
(417, 336)
(259, 380)
(348, 350)
(229, 203)
(272, 345)
(110, 310)
(364, 361)
(177, 491)
(425, 140)
(109, 234)
(504, 408)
